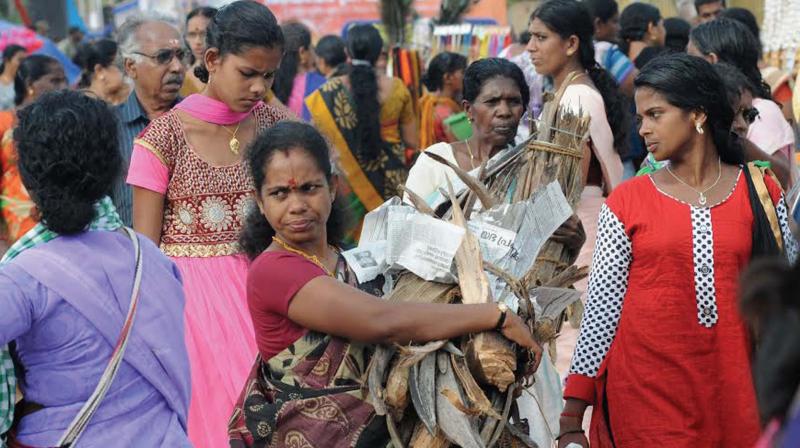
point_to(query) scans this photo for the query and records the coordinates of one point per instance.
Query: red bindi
(293, 183)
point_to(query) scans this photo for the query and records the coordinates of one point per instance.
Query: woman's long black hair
(30, 70)
(733, 43)
(296, 37)
(102, 52)
(691, 83)
(284, 137)
(769, 303)
(68, 157)
(571, 18)
(364, 45)
(239, 26)
(634, 21)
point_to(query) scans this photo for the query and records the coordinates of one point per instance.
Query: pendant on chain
(702, 199)
(234, 145)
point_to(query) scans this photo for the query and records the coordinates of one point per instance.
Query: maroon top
(272, 282)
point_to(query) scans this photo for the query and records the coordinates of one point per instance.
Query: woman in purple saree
(65, 295)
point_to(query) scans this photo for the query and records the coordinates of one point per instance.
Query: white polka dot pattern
(703, 252)
(790, 246)
(608, 283)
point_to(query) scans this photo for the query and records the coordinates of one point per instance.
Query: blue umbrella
(12, 33)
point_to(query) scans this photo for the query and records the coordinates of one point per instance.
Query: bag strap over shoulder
(764, 197)
(81, 421)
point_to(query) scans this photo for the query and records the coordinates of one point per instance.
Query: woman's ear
(467, 106)
(212, 59)
(573, 45)
(699, 117)
(712, 58)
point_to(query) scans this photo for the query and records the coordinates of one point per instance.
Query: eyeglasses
(749, 114)
(164, 56)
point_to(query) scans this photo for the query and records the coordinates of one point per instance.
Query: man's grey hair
(127, 33)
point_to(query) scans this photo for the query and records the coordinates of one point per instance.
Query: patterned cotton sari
(310, 394)
(368, 181)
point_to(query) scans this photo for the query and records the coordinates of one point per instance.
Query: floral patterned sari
(368, 180)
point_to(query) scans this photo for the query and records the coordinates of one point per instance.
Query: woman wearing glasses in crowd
(725, 40)
(192, 192)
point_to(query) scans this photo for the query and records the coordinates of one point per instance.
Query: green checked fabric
(106, 218)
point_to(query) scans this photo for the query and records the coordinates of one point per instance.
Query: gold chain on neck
(312, 258)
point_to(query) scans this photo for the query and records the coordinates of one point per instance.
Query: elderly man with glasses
(154, 57)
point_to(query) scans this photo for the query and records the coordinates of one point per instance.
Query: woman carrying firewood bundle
(314, 327)
(663, 354)
(562, 48)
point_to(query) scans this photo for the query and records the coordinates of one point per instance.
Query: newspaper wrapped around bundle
(485, 238)
(436, 261)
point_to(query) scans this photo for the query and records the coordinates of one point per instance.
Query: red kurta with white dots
(662, 346)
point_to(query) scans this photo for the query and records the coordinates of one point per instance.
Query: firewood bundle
(462, 392)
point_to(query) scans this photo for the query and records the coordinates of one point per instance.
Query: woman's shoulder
(633, 193)
(267, 114)
(164, 127)
(581, 94)
(443, 149)
(278, 264)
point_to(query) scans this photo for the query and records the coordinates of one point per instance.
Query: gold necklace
(702, 199)
(311, 258)
(471, 156)
(233, 144)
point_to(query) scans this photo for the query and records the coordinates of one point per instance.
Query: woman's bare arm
(148, 213)
(329, 306)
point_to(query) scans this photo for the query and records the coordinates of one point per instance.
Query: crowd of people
(245, 153)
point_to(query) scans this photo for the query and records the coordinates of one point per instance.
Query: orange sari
(433, 110)
(16, 206)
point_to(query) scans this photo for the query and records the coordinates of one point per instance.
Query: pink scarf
(211, 110)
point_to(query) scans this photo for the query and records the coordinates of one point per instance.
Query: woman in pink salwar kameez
(192, 193)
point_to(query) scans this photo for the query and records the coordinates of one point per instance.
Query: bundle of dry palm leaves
(461, 392)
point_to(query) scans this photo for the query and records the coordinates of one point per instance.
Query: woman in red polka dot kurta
(663, 354)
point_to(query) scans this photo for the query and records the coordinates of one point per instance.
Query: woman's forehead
(499, 85)
(294, 164)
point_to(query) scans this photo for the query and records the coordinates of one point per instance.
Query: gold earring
(699, 128)
(30, 92)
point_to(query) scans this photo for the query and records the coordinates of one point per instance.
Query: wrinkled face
(296, 198)
(159, 71)
(242, 80)
(607, 31)
(52, 81)
(667, 130)
(709, 11)
(196, 35)
(549, 51)
(496, 112)
(745, 115)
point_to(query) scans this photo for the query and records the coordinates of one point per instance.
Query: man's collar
(132, 110)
